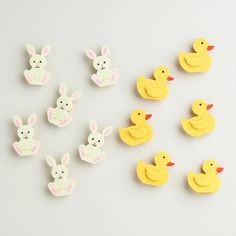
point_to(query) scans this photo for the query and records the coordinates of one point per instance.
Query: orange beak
(219, 169)
(170, 164)
(209, 106)
(148, 116)
(169, 78)
(210, 47)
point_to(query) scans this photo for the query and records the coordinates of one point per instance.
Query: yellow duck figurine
(201, 124)
(157, 174)
(139, 133)
(198, 61)
(154, 89)
(208, 182)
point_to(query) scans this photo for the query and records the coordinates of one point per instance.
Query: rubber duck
(198, 61)
(154, 89)
(208, 182)
(139, 133)
(157, 174)
(201, 124)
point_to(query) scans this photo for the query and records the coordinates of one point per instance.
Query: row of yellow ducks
(141, 132)
(157, 175)
(198, 61)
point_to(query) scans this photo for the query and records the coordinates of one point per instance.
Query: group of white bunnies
(60, 116)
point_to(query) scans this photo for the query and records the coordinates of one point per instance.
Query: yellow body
(201, 124)
(198, 61)
(208, 182)
(139, 133)
(154, 89)
(157, 174)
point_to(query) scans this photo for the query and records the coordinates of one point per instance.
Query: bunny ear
(45, 51)
(93, 126)
(32, 119)
(17, 121)
(63, 89)
(91, 54)
(105, 50)
(107, 131)
(75, 96)
(51, 161)
(65, 159)
(30, 49)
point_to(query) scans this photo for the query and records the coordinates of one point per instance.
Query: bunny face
(65, 103)
(101, 63)
(59, 172)
(37, 61)
(96, 139)
(25, 132)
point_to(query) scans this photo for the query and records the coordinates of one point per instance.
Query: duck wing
(202, 180)
(193, 59)
(199, 123)
(138, 132)
(153, 174)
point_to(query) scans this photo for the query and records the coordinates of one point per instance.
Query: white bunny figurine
(60, 115)
(105, 75)
(61, 186)
(26, 146)
(37, 75)
(92, 153)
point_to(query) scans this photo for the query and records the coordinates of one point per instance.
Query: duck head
(211, 167)
(200, 106)
(163, 159)
(139, 116)
(202, 45)
(162, 73)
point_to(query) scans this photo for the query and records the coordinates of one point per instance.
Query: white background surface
(108, 199)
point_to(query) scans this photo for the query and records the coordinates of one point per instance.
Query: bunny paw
(27, 76)
(65, 121)
(71, 186)
(35, 148)
(96, 80)
(82, 152)
(114, 75)
(17, 149)
(53, 189)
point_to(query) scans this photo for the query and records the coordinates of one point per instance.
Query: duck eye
(211, 164)
(202, 42)
(33, 61)
(200, 104)
(92, 138)
(40, 61)
(139, 114)
(163, 72)
(163, 157)
(66, 104)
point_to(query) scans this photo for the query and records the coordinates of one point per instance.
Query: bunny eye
(92, 138)
(98, 64)
(40, 61)
(99, 141)
(33, 61)
(62, 172)
(56, 172)
(21, 132)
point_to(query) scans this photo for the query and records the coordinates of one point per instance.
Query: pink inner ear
(45, 51)
(17, 121)
(91, 54)
(32, 120)
(62, 89)
(107, 131)
(51, 162)
(65, 159)
(93, 126)
(105, 51)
